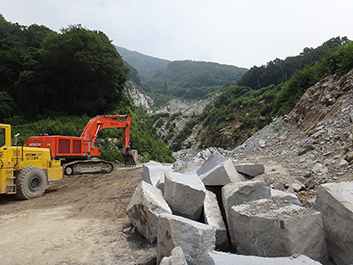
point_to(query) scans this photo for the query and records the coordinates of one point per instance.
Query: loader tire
(31, 182)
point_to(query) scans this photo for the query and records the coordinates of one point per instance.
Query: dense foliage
(278, 71)
(339, 60)
(55, 82)
(42, 72)
(193, 80)
(146, 65)
(164, 79)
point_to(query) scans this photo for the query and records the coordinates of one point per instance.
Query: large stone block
(223, 258)
(263, 228)
(335, 202)
(214, 160)
(176, 258)
(250, 169)
(240, 192)
(152, 173)
(222, 174)
(185, 194)
(194, 238)
(213, 216)
(144, 208)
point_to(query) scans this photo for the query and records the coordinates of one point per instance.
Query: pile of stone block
(215, 207)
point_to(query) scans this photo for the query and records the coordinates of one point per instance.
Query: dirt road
(79, 220)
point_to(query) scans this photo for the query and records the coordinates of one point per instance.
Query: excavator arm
(100, 122)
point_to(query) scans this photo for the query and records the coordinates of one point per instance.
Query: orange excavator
(75, 151)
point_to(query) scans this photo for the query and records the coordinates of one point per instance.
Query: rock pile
(207, 209)
(256, 211)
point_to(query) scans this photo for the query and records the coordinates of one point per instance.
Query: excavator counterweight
(76, 150)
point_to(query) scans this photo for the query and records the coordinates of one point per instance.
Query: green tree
(84, 71)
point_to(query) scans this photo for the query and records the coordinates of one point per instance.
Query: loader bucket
(129, 158)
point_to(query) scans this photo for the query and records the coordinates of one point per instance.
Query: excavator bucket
(130, 158)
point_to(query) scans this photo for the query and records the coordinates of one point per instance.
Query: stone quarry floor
(79, 220)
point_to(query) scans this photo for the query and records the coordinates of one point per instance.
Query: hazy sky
(237, 32)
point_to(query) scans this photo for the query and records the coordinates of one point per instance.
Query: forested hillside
(55, 82)
(146, 65)
(193, 80)
(260, 94)
(242, 110)
(163, 80)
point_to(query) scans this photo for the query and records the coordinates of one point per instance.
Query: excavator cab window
(2, 136)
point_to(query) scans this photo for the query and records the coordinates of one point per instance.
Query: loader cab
(2, 136)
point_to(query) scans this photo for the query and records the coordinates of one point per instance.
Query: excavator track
(87, 167)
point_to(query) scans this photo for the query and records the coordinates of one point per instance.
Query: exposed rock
(138, 99)
(153, 173)
(194, 238)
(177, 258)
(250, 169)
(305, 149)
(335, 202)
(263, 228)
(223, 258)
(262, 143)
(297, 186)
(185, 194)
(240, 192)
(187, 107)
(213, 217)
(160, 185)
(279, 196)
(221, 175)
(349, 156)
(213, 160)
(144, 208)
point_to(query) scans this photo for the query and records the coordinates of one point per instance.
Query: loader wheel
(68, 170)
(31, 182)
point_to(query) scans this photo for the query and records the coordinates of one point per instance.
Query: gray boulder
(152, 173)
(144, 208)
(250, 169)
(222, 174)
(335, 202)
(194, 238)
(223, 258)
(177, 258)
(213, 216)
(286, 197)
(263, 228)
(240, 192)
(185, 194)
(214, 160)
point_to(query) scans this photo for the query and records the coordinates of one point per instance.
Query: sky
(243, 33)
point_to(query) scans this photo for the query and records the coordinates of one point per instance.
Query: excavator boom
(98, 123)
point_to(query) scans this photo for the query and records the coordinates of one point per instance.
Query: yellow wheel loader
(25, 171)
